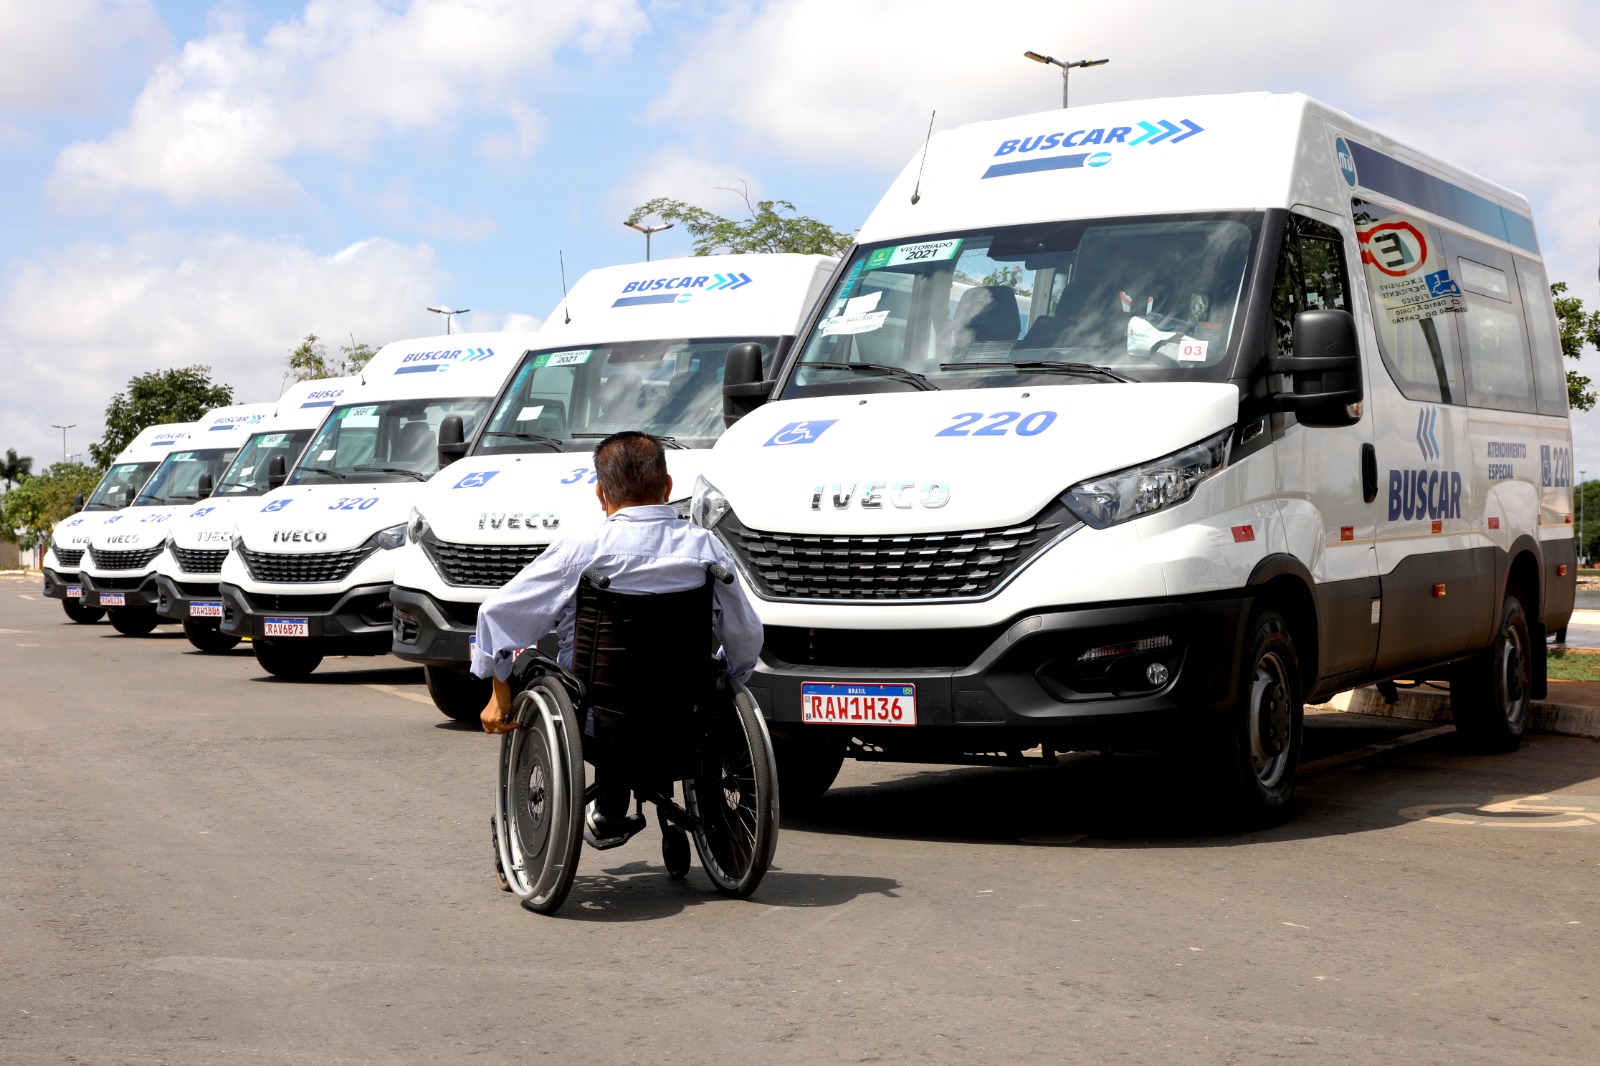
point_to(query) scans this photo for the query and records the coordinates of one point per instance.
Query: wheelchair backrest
(645, 657)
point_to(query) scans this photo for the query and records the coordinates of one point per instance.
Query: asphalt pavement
(201, 864)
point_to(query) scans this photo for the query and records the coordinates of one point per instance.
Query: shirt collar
(647, 513)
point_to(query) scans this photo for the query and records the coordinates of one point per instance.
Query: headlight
(416, 528)
(1149, 487)
(391, 538)
(707, 505)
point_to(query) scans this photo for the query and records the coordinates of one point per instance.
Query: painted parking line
(1516, 812)
(392, 691)
(1367, 751)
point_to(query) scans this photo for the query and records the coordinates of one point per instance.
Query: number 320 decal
(1000, 423)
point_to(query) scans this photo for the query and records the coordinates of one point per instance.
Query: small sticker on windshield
(182, 457)
(860, 305)
(329, 454)
(274, 440)
(528, 414)
(572, 358)
(862, 323)
(358, 412)
(926, 252)
(1192, 351)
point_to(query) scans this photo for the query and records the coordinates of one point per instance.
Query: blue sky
(207, 183)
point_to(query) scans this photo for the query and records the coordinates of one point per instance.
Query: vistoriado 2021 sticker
(575, 357)
(925, 252)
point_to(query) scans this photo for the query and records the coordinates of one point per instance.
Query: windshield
(177, 479)
(1149, 299)
(116, 489)
(248, 474)
(573, 397)
(396, 440)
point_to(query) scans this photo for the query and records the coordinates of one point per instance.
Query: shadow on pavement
(641, 892)
(385, 675)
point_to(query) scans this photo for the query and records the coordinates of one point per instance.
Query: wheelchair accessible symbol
(1441, 284)
(475, 480)
(798, 433)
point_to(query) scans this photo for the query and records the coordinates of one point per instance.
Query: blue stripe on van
(421, 368)
(317, 403)
(1404, 182)
(658, 298)
(1029, 166)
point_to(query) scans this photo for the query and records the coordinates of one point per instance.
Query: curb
(1431, 705)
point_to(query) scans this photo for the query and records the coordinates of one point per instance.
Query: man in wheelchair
(642, 549)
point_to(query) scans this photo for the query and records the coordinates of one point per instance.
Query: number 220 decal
(1000, 423)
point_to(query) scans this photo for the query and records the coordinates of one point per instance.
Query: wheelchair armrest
(719, 573)
(595, 579)
(533, 664)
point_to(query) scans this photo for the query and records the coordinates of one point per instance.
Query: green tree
(29, 511)
(310, 359)
(766, 229)
(15, 468)
(179, 395)
(1579, 329)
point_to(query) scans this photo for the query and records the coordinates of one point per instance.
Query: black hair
(632, 468)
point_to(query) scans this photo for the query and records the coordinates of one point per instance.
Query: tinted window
(1311, 275)
(1494, 342)
(1414, 302)
(1538, 307)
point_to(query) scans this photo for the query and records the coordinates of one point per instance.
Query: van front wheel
(134, 621)
(1257, 757)
(288, 660)
(1491, 693)
(81, 614)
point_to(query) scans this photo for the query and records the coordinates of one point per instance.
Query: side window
(1549, 372)
(1414, 302)
(1311, 275)
(1495, 343)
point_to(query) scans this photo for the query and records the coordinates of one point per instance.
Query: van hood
(136, 527)
(305, 519)
(921, 462)
(209, 525)
(529, 498)
(75, 530)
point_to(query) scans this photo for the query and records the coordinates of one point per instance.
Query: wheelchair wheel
(539, 804)
(735, 797)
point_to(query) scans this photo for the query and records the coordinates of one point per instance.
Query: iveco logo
(873, 494)
(519, 520)
(123, 538)
(299, 536)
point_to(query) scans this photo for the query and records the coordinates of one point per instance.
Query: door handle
(1369, 473)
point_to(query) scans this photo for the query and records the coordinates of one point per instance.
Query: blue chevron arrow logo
(1161, 130)
(728, 281)
(1427, 441)
(1193, 129)
(1149, 131)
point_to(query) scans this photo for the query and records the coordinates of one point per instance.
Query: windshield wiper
(537, 438)
(406, 470)
(910, 377)
(671, 442)
(323, 470)
(1087, 369)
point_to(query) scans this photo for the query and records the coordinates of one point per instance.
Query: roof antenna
(564, 310)
(916, 193)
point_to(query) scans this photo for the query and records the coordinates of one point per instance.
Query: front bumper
(431, 631)
(1035, 680)
(354, 622)
(57, 585)
(136, 590)
(183, 600)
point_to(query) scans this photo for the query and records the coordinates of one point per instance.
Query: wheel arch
(1524, 576)
(1283, 582)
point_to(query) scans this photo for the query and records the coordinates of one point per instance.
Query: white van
(310, 564)
(123, 479)
(188, 571)
(640, 346)
(1140, 425)
(118, 571)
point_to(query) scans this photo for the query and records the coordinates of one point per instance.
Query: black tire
(539, 801)
(494, 846)
(286, 659)
(1256, 757)
(458, 695)
(674, 848)
(808, 765)
(134, 621)
(81, 614)
(208, 637)
(1491, 694)
(735, 797)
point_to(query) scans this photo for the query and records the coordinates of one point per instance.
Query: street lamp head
(441, 310)
(1091, 62)
(647, 230)
(1037, 58)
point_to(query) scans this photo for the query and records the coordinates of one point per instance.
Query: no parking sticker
(1409, 276)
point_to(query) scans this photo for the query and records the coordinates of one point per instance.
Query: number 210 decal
(1000, 424)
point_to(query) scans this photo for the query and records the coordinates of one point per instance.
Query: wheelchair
(648, 702)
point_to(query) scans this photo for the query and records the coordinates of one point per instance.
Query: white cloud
(527, 127)
(688, 173)
(58, 55)
(401, 208)
(217, 121)
(82, 321)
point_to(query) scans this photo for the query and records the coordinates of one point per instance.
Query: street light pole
(63, 429)
(647, 231)
(1066, 68)
(449, 315)
(1581, 475)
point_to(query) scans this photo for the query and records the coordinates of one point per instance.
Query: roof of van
(1248, 151)
(154, 443)
(745, 295)
(224, 426)
(465, 364)
(305, 404)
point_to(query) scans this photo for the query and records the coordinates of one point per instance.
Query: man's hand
(496, 716)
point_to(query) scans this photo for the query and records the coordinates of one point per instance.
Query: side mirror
(277, 472)
(128, 495)
(744, 384)
(206, 486)
(452, 440)
(1324, 371)
(77, 502)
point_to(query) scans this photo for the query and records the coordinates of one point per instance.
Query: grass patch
(1571, 665)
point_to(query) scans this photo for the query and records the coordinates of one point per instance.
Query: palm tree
(15, 468)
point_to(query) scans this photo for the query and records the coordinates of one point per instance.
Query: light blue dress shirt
(641, 549)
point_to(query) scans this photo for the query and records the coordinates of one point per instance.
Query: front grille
(200, 560)
(479, 565)
(121, 584)
(262, 602)
(879, 649)
(303, 569)
(962, 564)
(67, 557)
(123, 560)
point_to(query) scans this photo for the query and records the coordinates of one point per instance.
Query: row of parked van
(1130, 426)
